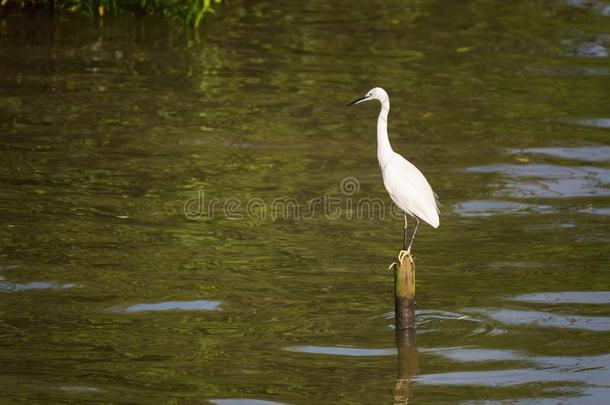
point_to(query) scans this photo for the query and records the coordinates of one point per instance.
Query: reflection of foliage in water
(191, 12)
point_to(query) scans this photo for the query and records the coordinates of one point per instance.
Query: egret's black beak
(358, 100)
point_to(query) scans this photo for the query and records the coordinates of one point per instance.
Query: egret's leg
(404, 252)
(414, 232)
(406, 236)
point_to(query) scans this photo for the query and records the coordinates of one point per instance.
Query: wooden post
(404, 307)
(404, 291)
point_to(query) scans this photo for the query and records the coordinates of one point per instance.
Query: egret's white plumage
(406, 185)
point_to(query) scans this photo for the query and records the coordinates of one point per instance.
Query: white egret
(407, 186)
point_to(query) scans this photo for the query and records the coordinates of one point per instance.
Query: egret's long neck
(384, 149)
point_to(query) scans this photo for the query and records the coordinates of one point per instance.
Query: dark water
(151, 251)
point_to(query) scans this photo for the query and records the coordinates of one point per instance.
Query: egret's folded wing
(410, 190)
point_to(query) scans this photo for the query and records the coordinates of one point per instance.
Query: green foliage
(191, 12)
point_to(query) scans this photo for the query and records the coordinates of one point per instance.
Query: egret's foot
(403, 254)
(401, 257)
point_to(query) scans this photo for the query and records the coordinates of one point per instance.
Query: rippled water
(150, 252)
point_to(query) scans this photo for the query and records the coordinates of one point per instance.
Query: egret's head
(376, 93)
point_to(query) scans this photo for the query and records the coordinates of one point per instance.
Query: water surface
(152, 250)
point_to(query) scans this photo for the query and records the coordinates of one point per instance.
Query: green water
(111, 292)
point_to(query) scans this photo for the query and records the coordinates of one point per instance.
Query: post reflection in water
(406, 347)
